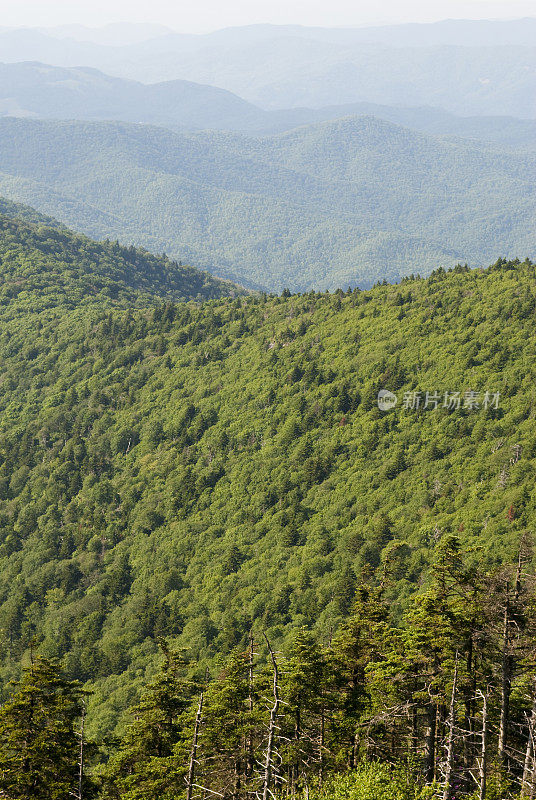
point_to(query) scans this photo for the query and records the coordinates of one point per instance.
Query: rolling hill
(508, 131)
(31, 89)
(197, 471)
(336, 204)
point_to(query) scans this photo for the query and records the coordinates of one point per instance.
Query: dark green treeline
(442, 704)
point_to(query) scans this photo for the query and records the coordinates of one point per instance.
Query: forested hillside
(438, 705)
(44, 265)
(26, 214)
(196, 472)
(336, 204)
(267, 520)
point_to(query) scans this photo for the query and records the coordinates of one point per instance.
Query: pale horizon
(208, 15)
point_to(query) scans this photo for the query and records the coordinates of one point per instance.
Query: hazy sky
(205, 15)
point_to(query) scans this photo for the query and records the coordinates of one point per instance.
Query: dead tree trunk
(81, 758)
(274, 712)
(527, 767)
(297, 735)
(532, 793)
(322, 745)
(483, 752)
(193, 753)
(450, 740)
(429, 755)
(469, 721)
(250, 760)
(506, 681)
(527, 783)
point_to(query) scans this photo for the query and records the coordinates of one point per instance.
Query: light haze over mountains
(323, 156)
(346, 202)
(285, 66)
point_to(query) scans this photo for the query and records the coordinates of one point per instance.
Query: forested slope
(26, 214)
(326, 206)
(197, 471)
(44, 265)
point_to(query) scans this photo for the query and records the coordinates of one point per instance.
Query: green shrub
(373, 781)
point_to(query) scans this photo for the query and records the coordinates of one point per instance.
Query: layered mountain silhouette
(328, 205)
(288, 66)
(32, 89)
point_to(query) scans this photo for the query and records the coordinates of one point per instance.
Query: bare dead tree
(268, 766)
(527, 783)
(450, 740)
(506, 678)
(250, 759)
(507, 662)
(193, 753)
(322, 744)
(430, 740)
(81, 756)
(482, 771)
(532, 792)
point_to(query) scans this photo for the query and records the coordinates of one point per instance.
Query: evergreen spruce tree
(39, 742)
(358, 643)
(151, 761)
(304, 723)
(228, 727)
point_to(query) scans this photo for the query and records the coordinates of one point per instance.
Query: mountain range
(288, 66)
(267, 442)
(481, 32)
(339, 203)
(31, 89)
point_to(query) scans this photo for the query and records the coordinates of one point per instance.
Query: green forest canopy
(43, 264)
(194, 471)
(340, 203)
(429, 707)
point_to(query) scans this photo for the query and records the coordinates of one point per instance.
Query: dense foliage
(217, 481)
(440, 705)
(325, 206)
(196, 472)
(44, 265)
(27, 214)
(252, 546)
(38, 742)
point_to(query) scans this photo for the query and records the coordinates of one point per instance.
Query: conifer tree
(39, 744)
(151, 761)
(302, 690)
(440, 624)
(358, 643)
(227, 726)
